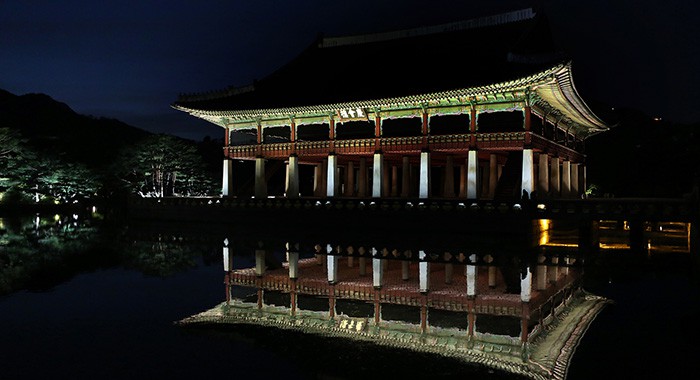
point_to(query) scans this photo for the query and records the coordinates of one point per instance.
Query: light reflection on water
(125, 289)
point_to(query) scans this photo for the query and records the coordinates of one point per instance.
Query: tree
(163, 165)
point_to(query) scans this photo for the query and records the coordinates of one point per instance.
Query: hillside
(53, 127)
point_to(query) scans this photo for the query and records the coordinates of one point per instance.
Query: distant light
(541, 206)
(657, 119)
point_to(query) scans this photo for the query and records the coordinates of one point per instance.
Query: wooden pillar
(492, 276)
(350, 180)
(394, 180)
(493, 175)
(449, 269)
(405, 177)
(462, 181)
(448, 190)
(566, 179)
(424, 314)
(362, 178)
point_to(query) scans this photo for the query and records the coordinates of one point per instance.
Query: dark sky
(130, 59)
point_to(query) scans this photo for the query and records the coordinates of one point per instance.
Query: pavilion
(479, 109)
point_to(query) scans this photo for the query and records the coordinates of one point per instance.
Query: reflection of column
(331, 177)
(377, 272)
(492, 276)
(526, 285)
(405, 274)
(423, 273)
(228, 267)
(332, 264)
(541, 273)
(448, 190)
(260, 182)
(362, 178)
(553, 271)
(471, 280)
(227, 180)
(449, 269)
(424, 314)
(293, 259)
(377, 175)
(472, 172)
(293, 177)
(259, 262)
(405, 177)
(424, 178)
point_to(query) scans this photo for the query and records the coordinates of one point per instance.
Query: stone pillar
(350, 180)
(541, 273)
(565, 179)
(528, 173)
(575, 190)
(386, 180)
(317, 180)
(260, 181)
(472, 172)
(543, 180)
(423, 273)
(331, 177)
(493, 175)
(424, 181)
(227, 178)
(362, 178)
(553, 270)
(377, 168)
(554, 182)
(405, 177)
(293, 177)
(448, 188)
(526, 285)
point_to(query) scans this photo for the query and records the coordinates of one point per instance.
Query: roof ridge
(480, 22)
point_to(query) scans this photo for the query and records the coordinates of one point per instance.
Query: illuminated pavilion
(478, 109)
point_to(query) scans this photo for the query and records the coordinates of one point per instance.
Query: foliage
(163, 165)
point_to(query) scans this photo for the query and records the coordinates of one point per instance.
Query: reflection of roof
(471, 53)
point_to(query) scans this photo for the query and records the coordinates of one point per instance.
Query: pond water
(83, 300)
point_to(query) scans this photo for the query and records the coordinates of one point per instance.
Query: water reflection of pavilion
(519, 313)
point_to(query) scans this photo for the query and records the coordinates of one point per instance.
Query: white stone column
(526, 285)
(528, 173)
(553, 270)
(575, 190)
(554, 182)
(566, 179)
(227, 178)
(472, 172)
(423, 272)
(260, 181)
(424, 179)
(405, 177)
(293, 177)
(584, 184)
(448, 188)
(331, 176)
(228, 263)
(332, 265)
(543, 180)
(377, 175)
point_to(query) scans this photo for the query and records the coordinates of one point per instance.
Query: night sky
(130, 59)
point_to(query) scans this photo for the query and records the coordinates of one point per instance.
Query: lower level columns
(472, 172)
(377, 175)
(227, 178)
(471, 280)
(423, 273)
(566, 179)
(493, 175)
(526, 285)
(260, 181)
(543, 178)
(528, 174)
(554, 181)
(575, 190)
(424, 178)
(350, 179)
(331, 177)
(362, 178)
(377, 272)
(405, 177)
(448, 190)
(293, 177)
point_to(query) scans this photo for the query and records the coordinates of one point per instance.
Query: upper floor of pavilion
(501, 63)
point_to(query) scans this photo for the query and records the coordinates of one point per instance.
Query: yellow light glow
(614, 246)
(544, 231)
(570, 245)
